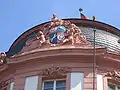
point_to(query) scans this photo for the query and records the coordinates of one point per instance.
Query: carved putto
(41, 37)
(57, 32)
(55, 70)
(2, 57)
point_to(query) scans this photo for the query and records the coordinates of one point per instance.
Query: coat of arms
(58, 34)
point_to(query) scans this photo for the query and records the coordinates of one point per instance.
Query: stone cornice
(112, 56)
(57, 51)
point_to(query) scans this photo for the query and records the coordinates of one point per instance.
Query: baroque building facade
(63, 54)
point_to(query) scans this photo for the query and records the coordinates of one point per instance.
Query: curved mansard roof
(106, 35)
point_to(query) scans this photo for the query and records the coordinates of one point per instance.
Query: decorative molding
(103, 69)
(3, 67)
(111, 73)
(114, 75)
(5, 83)
(63, 31)
(54, 33)
(55, 71)
(2, 57)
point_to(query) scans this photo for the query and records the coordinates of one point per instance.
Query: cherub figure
(2, 57)
(70, 35)
(78, 36)
(75, 35)
(54, 18)
(41, 37)
(55, 21)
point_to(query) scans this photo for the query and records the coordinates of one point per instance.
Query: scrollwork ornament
(55, 70)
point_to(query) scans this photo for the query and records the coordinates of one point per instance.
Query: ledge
(55, 51)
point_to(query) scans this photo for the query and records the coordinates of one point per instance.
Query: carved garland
(112, 73)
(5, 83)
(55, 71)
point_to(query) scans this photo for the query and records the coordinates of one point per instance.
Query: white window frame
(54, 83)
(11, 86)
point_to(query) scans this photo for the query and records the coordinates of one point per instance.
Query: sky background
(17, 16)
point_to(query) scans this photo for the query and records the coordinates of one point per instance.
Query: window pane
(31, 83)
(48, 85)
(111, 87)
(61, 83)
(54, 85)
(77, 81)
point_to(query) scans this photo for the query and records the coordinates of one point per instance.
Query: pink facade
(60, 55)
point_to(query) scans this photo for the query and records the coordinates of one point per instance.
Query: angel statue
(40, 36)
(2, 57)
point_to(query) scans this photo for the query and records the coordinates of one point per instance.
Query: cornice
(55, 51)
(112, 56)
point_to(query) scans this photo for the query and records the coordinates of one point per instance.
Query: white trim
(11, 86)
(54, 85)
(54, 80)
(99, 82)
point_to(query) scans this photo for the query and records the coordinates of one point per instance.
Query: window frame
(54, 82)
(11, 85)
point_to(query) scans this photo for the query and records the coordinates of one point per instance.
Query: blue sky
(17, 16)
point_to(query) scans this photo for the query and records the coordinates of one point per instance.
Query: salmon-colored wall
(32, 64)
(34, 67)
